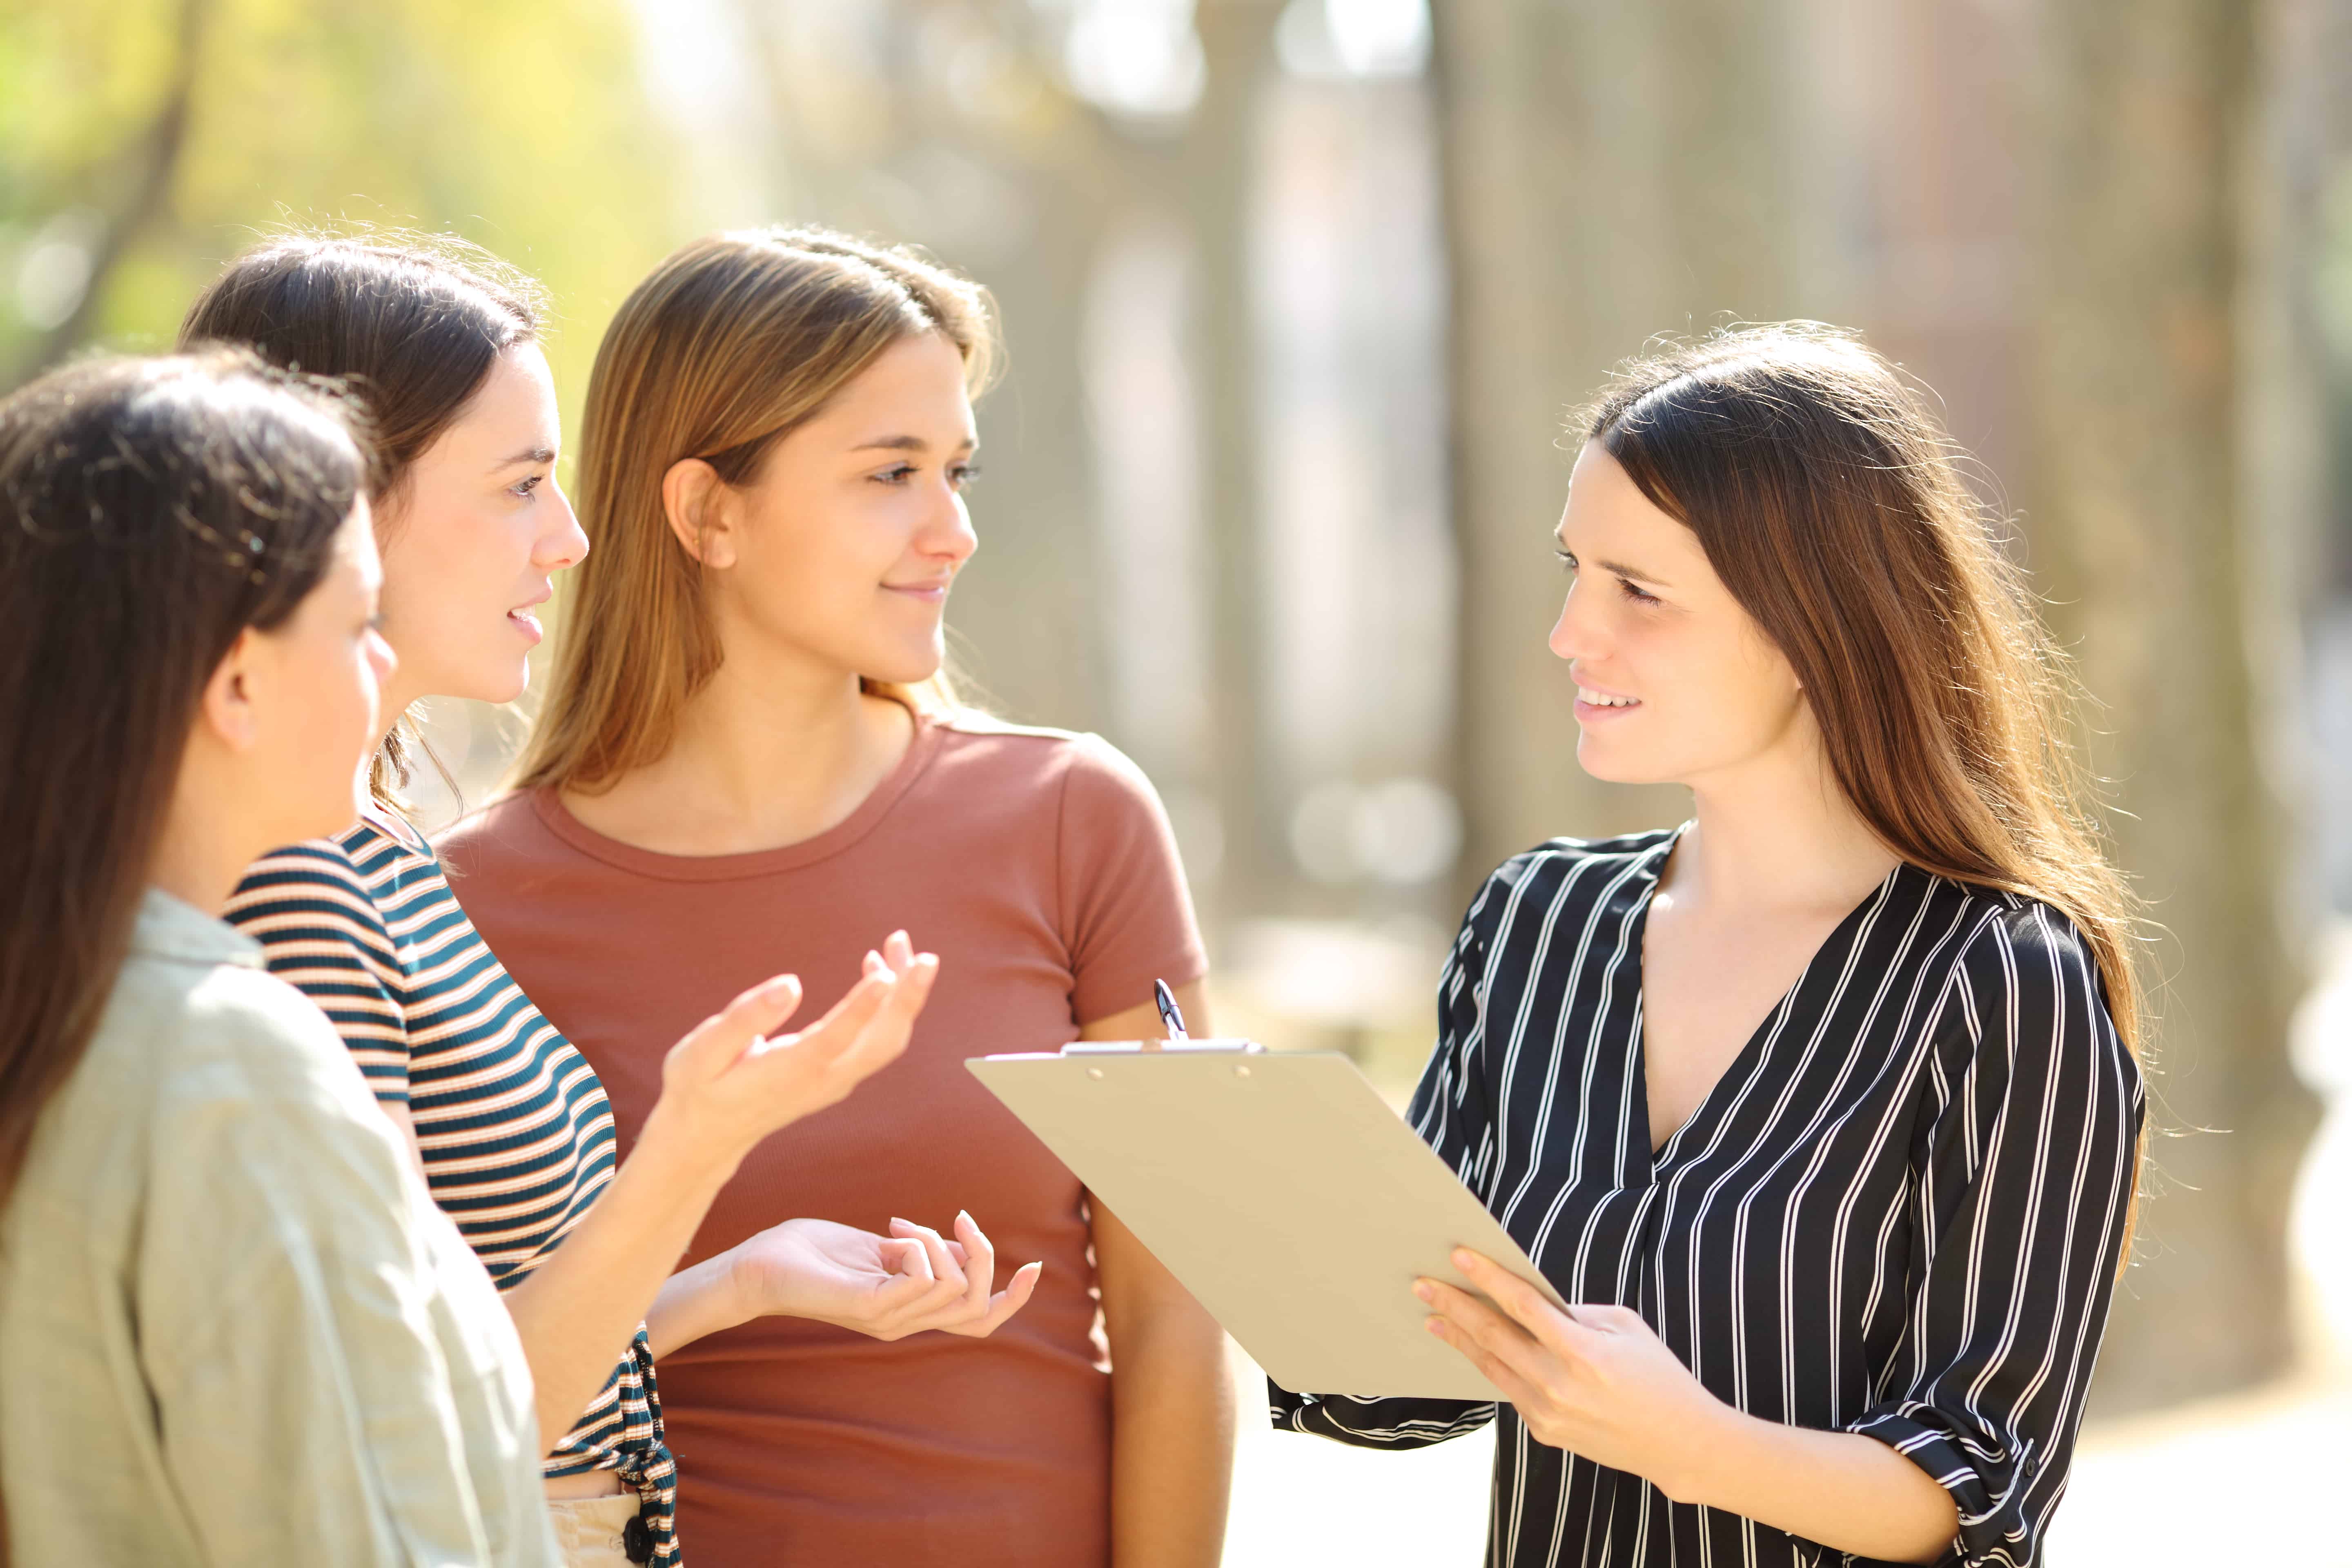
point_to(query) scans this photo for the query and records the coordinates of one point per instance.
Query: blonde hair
(733, 343)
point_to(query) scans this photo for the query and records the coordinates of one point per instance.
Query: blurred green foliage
(521, 124)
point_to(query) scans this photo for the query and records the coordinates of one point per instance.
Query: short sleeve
(321, 933)
(2025, 1182)
(309, 1331)
(1126, 915)
(1449, 1110)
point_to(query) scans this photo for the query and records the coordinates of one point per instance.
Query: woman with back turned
(1822, 1110)
(239, 1331)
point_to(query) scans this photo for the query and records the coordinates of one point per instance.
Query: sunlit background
(1298, 293)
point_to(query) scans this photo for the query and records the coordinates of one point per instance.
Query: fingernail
(1464, 1258)
(1435, 1326)
(963, 1217)
(1422, 1289)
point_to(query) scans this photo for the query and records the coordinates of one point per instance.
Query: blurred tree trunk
(1214, 167)
(1612, 173)
(1003, 181)
(2140, 531)
(1029, 605)
(149, 167)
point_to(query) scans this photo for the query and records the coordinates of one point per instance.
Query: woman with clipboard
(1823, 1109)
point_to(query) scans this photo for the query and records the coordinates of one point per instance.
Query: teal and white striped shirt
(515, 1129)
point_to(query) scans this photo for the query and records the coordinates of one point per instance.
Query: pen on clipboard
(1170, 1015)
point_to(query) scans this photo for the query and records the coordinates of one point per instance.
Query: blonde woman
(747, 751)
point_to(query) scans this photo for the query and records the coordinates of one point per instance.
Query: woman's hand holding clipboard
(1281, 1189)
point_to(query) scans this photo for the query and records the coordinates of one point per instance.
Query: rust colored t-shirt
(1040, 867)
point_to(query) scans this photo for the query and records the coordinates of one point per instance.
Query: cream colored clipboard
(1282, 1190)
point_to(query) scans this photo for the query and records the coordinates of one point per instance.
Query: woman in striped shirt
(510, 1124)
(1822, 1110)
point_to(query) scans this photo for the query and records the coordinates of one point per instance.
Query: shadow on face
(473, 536)
(1674, 680)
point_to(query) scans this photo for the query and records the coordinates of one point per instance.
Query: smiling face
(1675, 682)
(841, 548)
(473, 535)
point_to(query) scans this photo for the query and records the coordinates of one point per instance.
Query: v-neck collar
(1751, 1054)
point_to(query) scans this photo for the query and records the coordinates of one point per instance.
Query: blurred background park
(1298, 293)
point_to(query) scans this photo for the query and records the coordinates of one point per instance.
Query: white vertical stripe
(1898, 1211)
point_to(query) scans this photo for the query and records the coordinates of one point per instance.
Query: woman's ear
(228, 708)
(694, 500)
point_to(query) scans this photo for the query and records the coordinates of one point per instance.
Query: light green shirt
(239, 1330)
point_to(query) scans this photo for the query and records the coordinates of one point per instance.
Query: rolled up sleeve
(2024, 1199)
(1449, 1110)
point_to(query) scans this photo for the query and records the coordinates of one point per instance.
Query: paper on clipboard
(1284, 1194)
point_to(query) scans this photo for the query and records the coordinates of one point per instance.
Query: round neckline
(921, 749)
(390, 825)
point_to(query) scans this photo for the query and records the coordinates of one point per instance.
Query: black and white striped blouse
(1898, 1213)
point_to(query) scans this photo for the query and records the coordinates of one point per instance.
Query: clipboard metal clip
(1162, 1047)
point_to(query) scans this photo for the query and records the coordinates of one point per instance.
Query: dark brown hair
(151, 510)
(411, 323)
(733, 343)
(1832, 504)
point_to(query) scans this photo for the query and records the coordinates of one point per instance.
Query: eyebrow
(908, 444)
(1631, 573)
(1635, 574)
(528, 455)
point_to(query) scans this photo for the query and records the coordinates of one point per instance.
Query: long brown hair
(412, 322)
(1833, 507)
(733, 343)
(150, 511)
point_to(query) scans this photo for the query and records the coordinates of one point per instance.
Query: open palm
(884, 1287)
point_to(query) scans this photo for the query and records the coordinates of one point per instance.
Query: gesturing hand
(884, 1287)
(1594, 1380)
(731, 1083)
